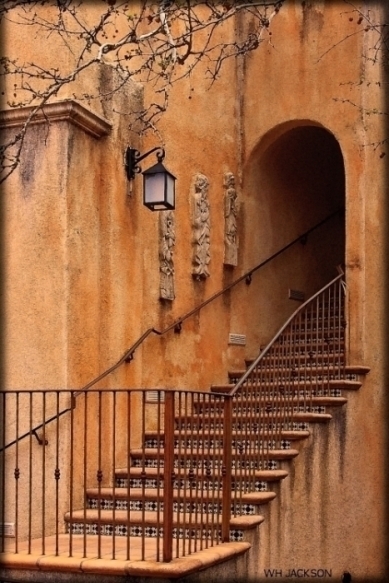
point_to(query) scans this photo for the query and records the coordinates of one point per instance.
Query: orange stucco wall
(82, 268)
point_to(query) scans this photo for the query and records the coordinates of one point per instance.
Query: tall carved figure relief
(167, 240)
(231, 208)
(201, 228)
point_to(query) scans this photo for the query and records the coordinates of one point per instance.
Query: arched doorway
(294, 180)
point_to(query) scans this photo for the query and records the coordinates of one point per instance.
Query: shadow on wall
(296, 178)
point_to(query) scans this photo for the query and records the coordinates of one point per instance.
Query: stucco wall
(82, 257)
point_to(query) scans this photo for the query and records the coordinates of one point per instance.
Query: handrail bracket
(39, 439)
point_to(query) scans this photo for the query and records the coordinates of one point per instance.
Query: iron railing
(161, 478)
(289, 383)
(130, 474)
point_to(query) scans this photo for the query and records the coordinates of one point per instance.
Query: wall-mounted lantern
(158, 183)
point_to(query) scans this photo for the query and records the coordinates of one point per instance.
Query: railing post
(227, 471)
(168, 478)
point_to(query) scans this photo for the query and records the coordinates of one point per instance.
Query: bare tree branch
(162, 43)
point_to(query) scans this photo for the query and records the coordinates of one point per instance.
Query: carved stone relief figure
(231, 208)
(167, 240)
(201, 228)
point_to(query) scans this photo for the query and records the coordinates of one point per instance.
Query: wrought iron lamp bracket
(133, 157)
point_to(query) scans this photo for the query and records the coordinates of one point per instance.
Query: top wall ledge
(68, 110)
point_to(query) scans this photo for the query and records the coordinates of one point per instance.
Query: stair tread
(284, 434)
(261, 475)
(308, 416)
(307, 368)
(318, 400)
(150, 518)
(189, 453)
(182, 494)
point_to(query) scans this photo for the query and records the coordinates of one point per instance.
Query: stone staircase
(295, 383)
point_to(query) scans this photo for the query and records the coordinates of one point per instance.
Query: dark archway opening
(294, 180)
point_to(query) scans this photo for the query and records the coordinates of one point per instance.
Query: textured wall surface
(81, 256)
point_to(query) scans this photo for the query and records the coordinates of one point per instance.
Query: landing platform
(55, 565)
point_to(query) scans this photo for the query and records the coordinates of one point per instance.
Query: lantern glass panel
(154, 189)
(170, 181)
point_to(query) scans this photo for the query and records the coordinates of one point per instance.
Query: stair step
(298, 385)
(313, 417)
(214, 439)
(263, 475)
(304, 358)
(357, 369)
(188, 456)
(291, 372)
(345, 384)
(280, 419)
(294, 337)
(259, 402)
(193, 500)
(150, 524)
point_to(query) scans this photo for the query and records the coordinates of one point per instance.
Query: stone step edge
(297, 385)
(327, 401)
(151, 453)
(182, 495)
(292, 435)
(175, 569)
(273, 415)
(148, 518)
(260, 475)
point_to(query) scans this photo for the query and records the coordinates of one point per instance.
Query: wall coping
(68, 110)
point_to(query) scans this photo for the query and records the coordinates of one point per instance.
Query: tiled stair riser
(217, 444)
(208, 464)
(189, 507)
(205, 484)
(203, 532)
(260, 409)
(264, 425)
(307, 338)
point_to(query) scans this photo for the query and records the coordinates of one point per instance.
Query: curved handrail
(280, 331)
(176, 325)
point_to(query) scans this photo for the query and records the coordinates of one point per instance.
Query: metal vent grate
(155, 396)
(7, 529)
(295, 294)
(238, 339)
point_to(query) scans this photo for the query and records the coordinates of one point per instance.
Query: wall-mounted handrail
(177, 324)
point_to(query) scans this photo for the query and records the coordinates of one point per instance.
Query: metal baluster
(193, 501)
(44, 474)
(158, 475)
(114, 527)
(227, 473)
(85, 450)
(71, 473)
(30, 508)
(196, 474)
(251, 404)
(207, 476)
(143, 474)
(57, 476)
(316, 341)
(216, 472)
(99, 474)
(168, 477)
(17, 470)
(342, 325)
(128, 457)
(184, 473)
(3, 466)
(327, 321)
